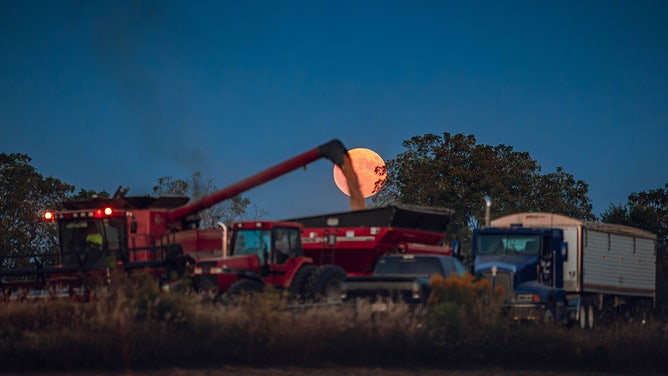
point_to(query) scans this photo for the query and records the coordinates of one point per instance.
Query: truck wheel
(325, 283)
(586, 316)
(242, 288)
(582, 317)
(549, 317)
(298, 289)
(591, 316)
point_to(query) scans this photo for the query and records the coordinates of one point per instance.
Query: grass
(133, 326)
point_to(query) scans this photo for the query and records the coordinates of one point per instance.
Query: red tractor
(263, 253)
(160, 235)
(309, 263)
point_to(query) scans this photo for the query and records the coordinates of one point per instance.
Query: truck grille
(503, 279)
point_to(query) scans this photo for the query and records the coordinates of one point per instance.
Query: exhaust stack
(488, 205)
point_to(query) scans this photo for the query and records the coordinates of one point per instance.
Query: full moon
(365, 162)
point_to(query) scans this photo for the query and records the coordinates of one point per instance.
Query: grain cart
(323, 250)
(160, 235)
(557, 268)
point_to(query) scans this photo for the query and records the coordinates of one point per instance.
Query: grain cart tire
(242, 289)
(325, 284)
(299, 287)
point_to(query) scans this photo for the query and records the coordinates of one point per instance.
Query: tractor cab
(272, 242)
(261, 253)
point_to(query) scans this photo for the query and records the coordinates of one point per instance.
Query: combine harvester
(158, 235)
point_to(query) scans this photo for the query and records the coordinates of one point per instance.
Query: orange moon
(364, 163)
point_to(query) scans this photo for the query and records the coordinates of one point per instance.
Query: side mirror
(456, 248)
(564, 251)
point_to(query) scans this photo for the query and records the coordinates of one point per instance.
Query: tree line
(456, 172)
(451, 171)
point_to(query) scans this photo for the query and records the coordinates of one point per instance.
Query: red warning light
(99, 213)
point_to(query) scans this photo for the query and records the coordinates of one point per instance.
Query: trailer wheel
(641, 311)
(299, 288)
(586, 316)
(325, 283)
(591, 316)
(582, 317)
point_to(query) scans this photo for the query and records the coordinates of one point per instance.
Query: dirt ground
(336, 371)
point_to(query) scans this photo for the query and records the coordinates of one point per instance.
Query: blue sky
(107, 93)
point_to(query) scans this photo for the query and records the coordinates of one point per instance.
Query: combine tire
(299, 288)
(325, 284)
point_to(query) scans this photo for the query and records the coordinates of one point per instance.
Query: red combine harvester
(160, 235)
(309, 257)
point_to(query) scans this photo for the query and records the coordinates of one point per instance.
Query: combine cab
(158, 235)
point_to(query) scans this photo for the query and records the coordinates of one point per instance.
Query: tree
(90, 193)
(227, 211)
(24, 196)
(644, 210)
(454, 171)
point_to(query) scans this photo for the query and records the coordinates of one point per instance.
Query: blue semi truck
(557, 269)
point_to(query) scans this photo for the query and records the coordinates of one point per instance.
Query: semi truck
(568, 271)
(322, 251)
(158, 235)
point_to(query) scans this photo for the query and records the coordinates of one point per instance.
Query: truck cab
(527, 263)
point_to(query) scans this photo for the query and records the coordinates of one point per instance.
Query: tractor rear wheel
(325, 284)
(299, 288)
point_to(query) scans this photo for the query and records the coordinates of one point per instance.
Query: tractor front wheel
(243, 289)
(299, 288)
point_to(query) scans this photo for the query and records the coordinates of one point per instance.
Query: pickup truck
(400, 278)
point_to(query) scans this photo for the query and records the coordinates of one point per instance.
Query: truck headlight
(527, 298)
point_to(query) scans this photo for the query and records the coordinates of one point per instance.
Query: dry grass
(135, 326)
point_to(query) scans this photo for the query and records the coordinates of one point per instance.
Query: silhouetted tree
(90, 193)
(644, 210)
(453, 171)
(227, 211)
(24, 197)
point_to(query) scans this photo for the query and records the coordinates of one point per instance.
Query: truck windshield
(91, 240)
(508, 244)
(252, 242)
